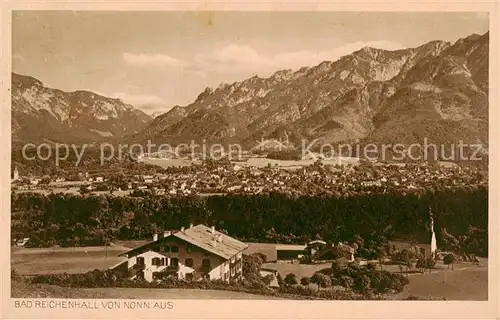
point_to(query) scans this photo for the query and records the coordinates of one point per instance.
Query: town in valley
(267, 220)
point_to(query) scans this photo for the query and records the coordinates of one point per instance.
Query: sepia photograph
(158, 156)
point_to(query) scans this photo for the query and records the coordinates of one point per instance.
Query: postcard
(236, 160)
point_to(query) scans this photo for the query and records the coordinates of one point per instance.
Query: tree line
(460, 214)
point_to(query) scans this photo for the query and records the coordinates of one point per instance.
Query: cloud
(153, 60)
(234, 58)
(241, 58)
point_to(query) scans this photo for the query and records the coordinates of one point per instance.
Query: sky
(156, 60)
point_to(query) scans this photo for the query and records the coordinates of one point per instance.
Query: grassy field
(21, 289)
(70, 260)
(134, 293)
(466, 282)
(463, 283)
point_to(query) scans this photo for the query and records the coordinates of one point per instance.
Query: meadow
(22, 289)
(467, 281)
(33, 261)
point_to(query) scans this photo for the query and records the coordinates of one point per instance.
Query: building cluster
(313, 179)
(317, 178)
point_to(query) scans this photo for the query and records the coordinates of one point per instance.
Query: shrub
(267, 279)
(449, 259)
(339, 265)
(347, 281)
(106, 278)
(372, 266)
(290, 279)
(321, 280)
(327, 271)
(279, 278)
(251, 267)
(262, 257)
(362, 284)
(430, 263)
(305, 281)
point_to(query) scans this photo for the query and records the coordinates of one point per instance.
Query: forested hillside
(73, 220)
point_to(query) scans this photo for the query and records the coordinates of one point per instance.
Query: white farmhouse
(194, 253)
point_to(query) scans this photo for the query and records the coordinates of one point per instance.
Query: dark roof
(203, 237)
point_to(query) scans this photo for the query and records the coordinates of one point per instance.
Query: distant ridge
(438, 90)
(42, 114)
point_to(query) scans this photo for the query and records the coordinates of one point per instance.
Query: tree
(372, 266)
(305, 281)
(347, 281)
(45, 180)
(381, 258)
(339, 265)
(449, 259)
(421, 265)
(290, 279)
(449, 242)
(430, 263)
(251, 268)
(279, 278)
(362, 284)
(322, 280)
(268, 279)
(405, 258)
(83, 189)
(24, 181)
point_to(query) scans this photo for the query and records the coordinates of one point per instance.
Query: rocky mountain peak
(39, 112)
(436, 89)
(282, 75)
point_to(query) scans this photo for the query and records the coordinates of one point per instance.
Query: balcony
(171, 269)
(139, 266)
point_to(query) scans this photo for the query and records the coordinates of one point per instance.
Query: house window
(162, 262)
(166, 248)
(174, 262)
(156, 261)
(140, 260)
(189, 262)
(140, 275)
(205, 263)
(174, 249)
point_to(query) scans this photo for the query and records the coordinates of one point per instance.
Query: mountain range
(438, 91)
(42, 114)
